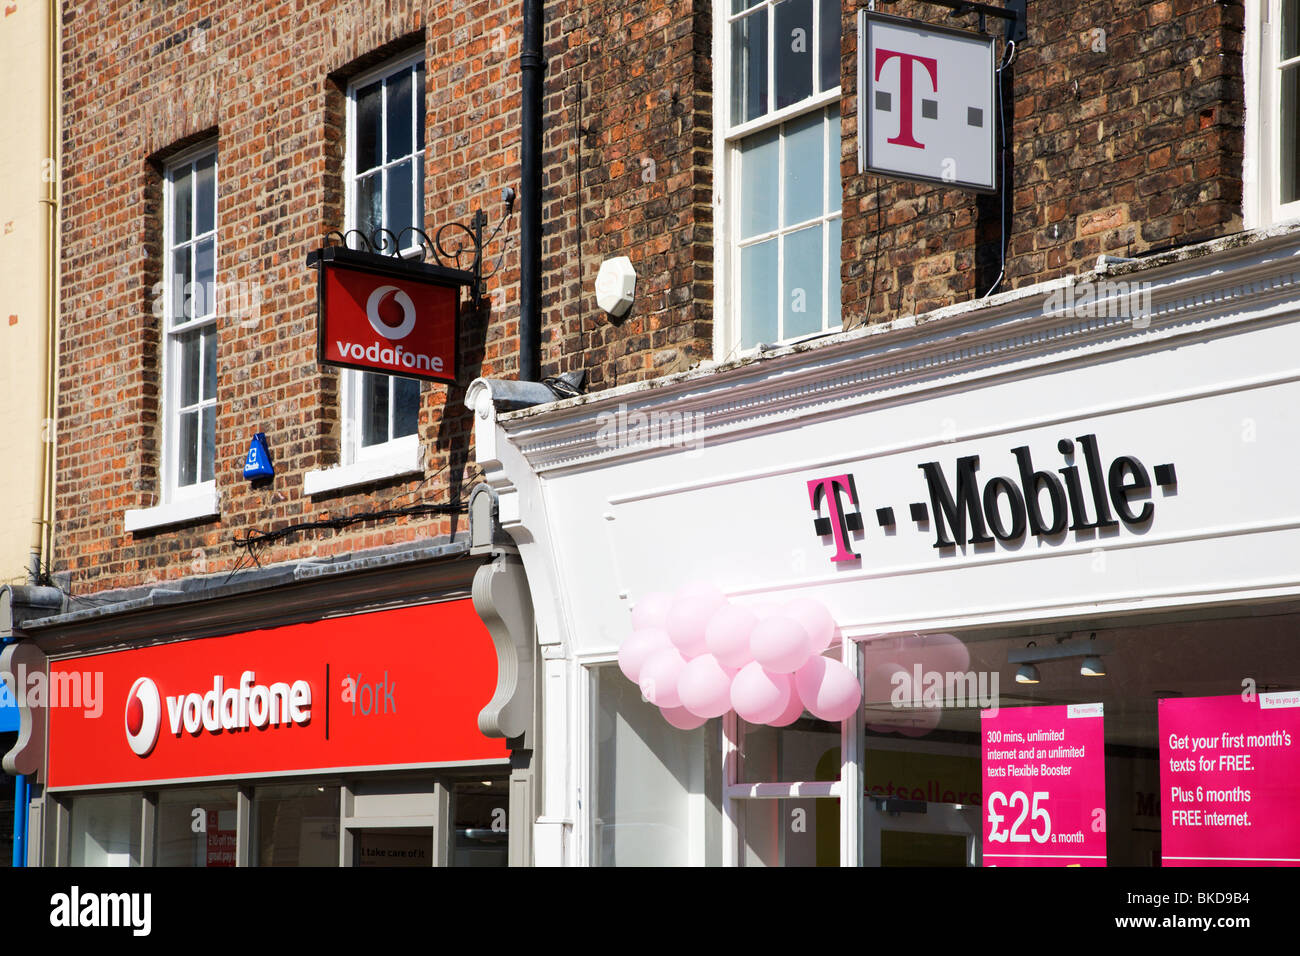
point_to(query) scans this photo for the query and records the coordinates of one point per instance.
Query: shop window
(385, 199)
(1272, 157)
(104, 830)
(779, 175)
(296, 825)
(196, 827)
(656, 788)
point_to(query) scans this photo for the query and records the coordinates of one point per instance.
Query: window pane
(835, 187)
(749, 67)
(374, 409)
(182, 208)
(105, 830)
(368, 214)
(833, 262)
(791, 832)
(758, 306)
(205, 270)
(656, 787)
(758, 183)
(738, 5)
(1290, 29)
(191, 360)
(419, 106)
(186, 449)
(208, 447)
(419, 192)
(209, 364)
(803, 282)
(828, 57)
(205, 193)
(804, 167)
(406, 406)
(399, 115)
(296, 825)
(1290, 156)
(399, 198)
(479, 811)
(793, 53)
(195, 828)
(369, 119)
(181, 278)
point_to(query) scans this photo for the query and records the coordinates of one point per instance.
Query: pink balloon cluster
(696, 656)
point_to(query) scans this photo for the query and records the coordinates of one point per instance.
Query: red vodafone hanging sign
(384, 314)
(390, 688)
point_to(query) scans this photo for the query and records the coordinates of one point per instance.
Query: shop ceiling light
(1065, 649)
(1027, 674)
(1093, 667)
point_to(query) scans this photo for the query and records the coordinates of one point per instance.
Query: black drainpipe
(531, 66)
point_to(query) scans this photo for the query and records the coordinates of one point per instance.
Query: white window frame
(1263, 140)
(197, 499)
(726, 183)
(402, 455)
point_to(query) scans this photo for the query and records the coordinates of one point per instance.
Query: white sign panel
(926, 106)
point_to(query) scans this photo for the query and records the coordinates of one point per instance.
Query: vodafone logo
(390, 332)
(143, 716)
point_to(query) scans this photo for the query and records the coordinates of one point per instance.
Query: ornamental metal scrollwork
(451, 243)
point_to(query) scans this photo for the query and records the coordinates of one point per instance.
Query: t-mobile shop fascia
(337, 735)
(1059, 544)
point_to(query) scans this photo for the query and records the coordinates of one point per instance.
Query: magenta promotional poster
(1229, 779)
(1044, 786)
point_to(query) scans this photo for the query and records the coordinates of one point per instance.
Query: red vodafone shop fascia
(379, 690)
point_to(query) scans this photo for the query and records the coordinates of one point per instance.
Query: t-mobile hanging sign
(384, 314)
(926, 106)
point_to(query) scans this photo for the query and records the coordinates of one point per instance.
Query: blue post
(20, 820)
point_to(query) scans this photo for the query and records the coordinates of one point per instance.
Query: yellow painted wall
(26, 171)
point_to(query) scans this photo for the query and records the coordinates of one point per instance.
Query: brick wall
(628, 171)
(144, 79)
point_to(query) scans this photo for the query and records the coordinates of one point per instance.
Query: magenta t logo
(905, 137)
(837, 522)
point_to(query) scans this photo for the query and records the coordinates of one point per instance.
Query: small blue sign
(8, 710)
(258, 463)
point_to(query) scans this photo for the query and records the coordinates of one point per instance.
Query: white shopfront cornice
(1194, 291)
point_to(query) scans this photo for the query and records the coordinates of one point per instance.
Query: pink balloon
(780, 645)
(651, 611)
(941, 653)
(682, 719)
(793, 711)
(727, 635)
(828, 689)
(659, 677)
(705, 687)
(687, 620)
(638, 648)
(759, 696)
(816, 620)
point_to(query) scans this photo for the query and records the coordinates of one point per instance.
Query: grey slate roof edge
(213, 586)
